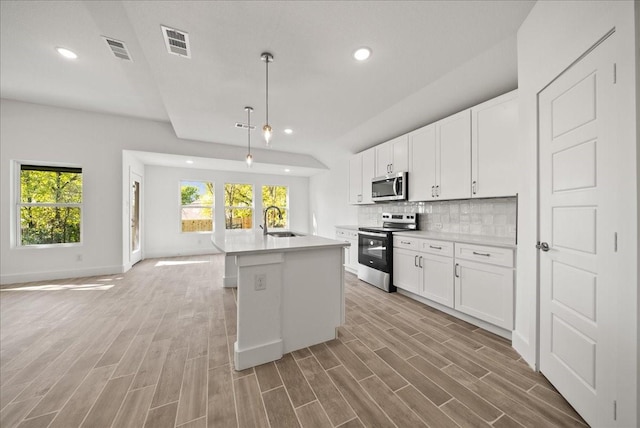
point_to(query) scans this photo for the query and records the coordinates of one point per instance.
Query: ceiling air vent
(177, 41)
(118, 48)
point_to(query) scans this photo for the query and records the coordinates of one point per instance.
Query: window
(196, 206)
(238, 206)
(49, 205)
(278, 196)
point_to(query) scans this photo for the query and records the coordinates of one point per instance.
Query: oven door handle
(381, 235)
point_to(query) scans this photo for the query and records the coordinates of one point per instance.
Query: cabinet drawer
(441, 248)
(479, 253)
(406, 242)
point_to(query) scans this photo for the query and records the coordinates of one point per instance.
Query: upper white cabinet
(454, 143)
(355, 179)
(422, 167)
(440, 156)
(361, 171)
(392, 156)
(494, 147)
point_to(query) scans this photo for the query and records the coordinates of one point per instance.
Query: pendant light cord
(267, 85)
(249, 129)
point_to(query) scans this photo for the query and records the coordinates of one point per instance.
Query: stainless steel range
(375, 249)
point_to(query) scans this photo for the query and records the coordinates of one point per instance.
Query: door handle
(543, 246)
(396, 188)
(482, 254)
(415, 260)
(455, 270)
(473, 187)
(435, 248)
(438, 191)
(420, 262)
(433, 189)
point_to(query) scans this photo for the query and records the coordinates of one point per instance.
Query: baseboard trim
(18, 278)
(251, 357)
(194, 252)
(507, 334)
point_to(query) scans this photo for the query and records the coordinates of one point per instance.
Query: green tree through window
(196, 206)
(238, 206)
(50, 205)
(278, 196)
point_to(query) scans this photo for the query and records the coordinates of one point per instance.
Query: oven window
(373, 247)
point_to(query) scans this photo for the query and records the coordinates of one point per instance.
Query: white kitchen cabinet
(406, 272)
(361, 171)
(392, 156)
(422, 168)
(350, 253)
(424, 267)
(441, 159)
(454, 144)
(355, 179)
(437, 282)
(494, 135)
(484, 289)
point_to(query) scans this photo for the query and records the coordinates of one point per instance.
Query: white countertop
(348, 227)
(246, 242)
(463, 238)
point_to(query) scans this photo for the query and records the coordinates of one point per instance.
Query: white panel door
(135, 202)
(384, 159)
(437, 278)
(400, 154)
(454, 144)
(422, 169)
(494, 143)
(577, 150)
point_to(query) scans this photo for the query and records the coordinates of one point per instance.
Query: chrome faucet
(264, 229)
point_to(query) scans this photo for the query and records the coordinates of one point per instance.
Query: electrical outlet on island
(261, 281)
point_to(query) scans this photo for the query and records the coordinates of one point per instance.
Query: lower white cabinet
(437, 282)
(350, 253)
(424, 267)
(472, 279)
(485, 291)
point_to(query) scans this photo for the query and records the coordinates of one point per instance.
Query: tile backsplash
(491, 217)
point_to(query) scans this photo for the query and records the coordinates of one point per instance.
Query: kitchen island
(290, 292)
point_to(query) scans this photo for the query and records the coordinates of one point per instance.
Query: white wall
(553, 36)
(32, 132)
(162, 234)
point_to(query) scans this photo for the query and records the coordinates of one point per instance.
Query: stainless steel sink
(283, 234)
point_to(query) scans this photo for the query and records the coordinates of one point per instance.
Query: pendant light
(266, 129)
(249, 157)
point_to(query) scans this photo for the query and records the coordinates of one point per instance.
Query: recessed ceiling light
(288, 131)
(287, 170)
(67, 53)
(189, 162)
(362, 54)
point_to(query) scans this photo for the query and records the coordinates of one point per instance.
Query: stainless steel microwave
(391, 187)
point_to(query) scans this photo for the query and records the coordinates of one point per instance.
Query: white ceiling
(316, 88)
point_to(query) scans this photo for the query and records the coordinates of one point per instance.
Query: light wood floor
(153, 348)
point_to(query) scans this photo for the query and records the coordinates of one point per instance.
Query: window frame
(286, 208)
(17, 189)
(252, 207)
(212, 206)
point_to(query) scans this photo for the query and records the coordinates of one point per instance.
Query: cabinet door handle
(482, 254)
(420, 262)
(405, 242)
(455, 270)
(438, 191)
(435, 248)
(473, 187)
(433, 189)
(415, 260)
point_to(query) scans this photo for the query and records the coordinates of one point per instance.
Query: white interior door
(577, 151)
(135, 200)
